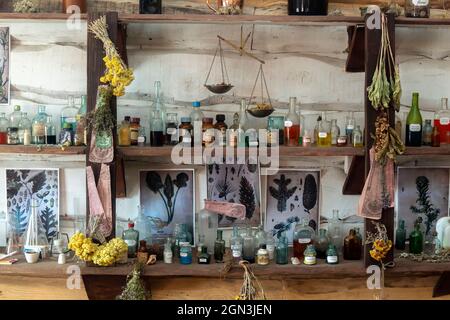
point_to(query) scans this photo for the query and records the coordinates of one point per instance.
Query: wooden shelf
(427, 151)
(44, 150)
(404, 21)
(284, 152)
(37, 16)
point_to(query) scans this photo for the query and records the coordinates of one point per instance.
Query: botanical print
(40, 184)
(292, 195)
(4, 65)
(422, 193)
(167, 198)
(236, 183)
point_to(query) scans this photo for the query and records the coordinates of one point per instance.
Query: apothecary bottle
(142, 254)
(4, 124)
(349, 127)
(321, 244)
(66, 135)
(135, 126)
(13, 135)
(260, 237)
(400, 236)
(262, 256)
(143, 225)
(204, 257)
(292, 125)
(308, 8)
(416, 240)
(282, 250)
(358, 137)
(168, 253)
(172, 129)
(181, 237)
(39, 122)
(352, 246)
(15, 117)
(221, 130)
(157, 136)
(25, 130)
(414, 124)
(324, 132)
(243, 139)
(435, 137)
(159, 106)
(185, 132)
(80, 136)
(335, 132)
(236, 244)
(185, 254)
(442, 122)
(248, 249)
(233, 131)
(208, 132)
(69, 113)
(303, 236)
(50, 131)
(417, 8)
(427, 133)
(310, 255)
(270, 245)
(332, 254)
(125, 132)
(219, 247)
(208, 222)
(335, 229)
(131, 238)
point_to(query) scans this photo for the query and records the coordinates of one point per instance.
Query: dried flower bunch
(101, 119)
(251, 288)
(135, 288)
(387, 142)
(441, 256)
(25, 6)
(381, 245)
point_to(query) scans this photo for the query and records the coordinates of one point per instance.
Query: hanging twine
(251, 288)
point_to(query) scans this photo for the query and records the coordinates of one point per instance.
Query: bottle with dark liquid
(414, 124)
(157, 136)
(303, 236)
(352, 246)
(308, 7)
(50, 131)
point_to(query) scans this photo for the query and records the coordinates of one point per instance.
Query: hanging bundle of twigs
(135, 288)
(251, 288)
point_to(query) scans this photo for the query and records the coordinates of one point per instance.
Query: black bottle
(150, 7)
(308, 7)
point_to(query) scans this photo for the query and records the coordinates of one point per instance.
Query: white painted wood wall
(49, 63)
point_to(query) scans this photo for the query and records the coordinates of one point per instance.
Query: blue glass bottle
(282, 250)
(186, 254)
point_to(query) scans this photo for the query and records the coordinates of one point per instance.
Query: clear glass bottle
(142, 139)
(236, 244)
(4, 124)
(15, 117)
(13, 135)
(427, 133)
(352, 246)
(310, 255)
(417, 8)
(208, 132)
(38, 126)
(262, 255)
(131, 238)
(50, 131)
(168, 254)
(243, 122)
(219, 247)
(172, 129)
(323, 132)
(204, 257)
(157, 136)
(270, 245)
(25, 130)
(143, 225)
(414, 124)
(442, 122)
(248, 249)
(292, 125)
(125, 133)
(69, 113)
(335, 229)
(80, 138)
(159, 106)
(322, 244)
(358, 138)
(335, 132)
(332, 254)
(196, 113)
(303, 236)
(350, 126)
(208, 222)
(282, 250)
(233, 131)
(260, 237)
(185, 254)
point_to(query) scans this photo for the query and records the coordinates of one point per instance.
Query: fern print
(424, 205)
(49, 222)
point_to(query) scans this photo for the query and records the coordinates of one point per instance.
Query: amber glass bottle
(352, 246)
(142, 254)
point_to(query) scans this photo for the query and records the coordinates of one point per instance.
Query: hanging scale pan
(264, 108)
(225, 86)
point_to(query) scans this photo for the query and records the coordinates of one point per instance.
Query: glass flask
(157, 129)
(50, 131)
(159, 106)
(38, 126)
(323, 133)
(303, 236)
(15, 117)
(292, 125)
(350, 126)
(335, 229)
(69, 113)
(168, 253)
(357, 137)
(35, 235)
(248, 248)
(442, 121)
(143, 225)
(322, 244)
(236, 244)
(208, 222)
(335, 132)
(400, 236)
(131, 238)
(282, 250)
(219, 247)
(25, 130)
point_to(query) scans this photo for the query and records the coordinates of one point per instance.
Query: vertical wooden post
(95, 69)
(372, 48)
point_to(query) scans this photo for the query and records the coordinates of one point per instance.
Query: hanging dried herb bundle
(135, 288)
(387, 142)
(251, 288)
(101, 120)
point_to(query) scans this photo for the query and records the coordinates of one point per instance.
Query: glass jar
(142, 139)
(185, 132)
(13, 135)
(307, 139)
(248, 247)
(332, 254)
(357, 137)
(417, 8)
(204, 257)
(221, 127)
(135, 125)
(342, 141)
(349, 127)
(275, 128)
(143, 225)
(270, 245)
(219, 247)
(38, 126)
(207, 132)
(185, 254)
(15, 117)
(352, 246)
(260, 237)
(427, 133)
(208, 222)
(157, 136)
(324, 133)
(25, 130)
(125, 133)
(262, 256)
(322, 244)
(50, 131)
(335, 132)
(400, 236)
(180, 237)
(310, 255)
(66, 135)
(69, 113)
(303, 236)
(292, 125)
(172, 129)
(282, 250)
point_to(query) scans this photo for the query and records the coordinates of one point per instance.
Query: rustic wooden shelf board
(403, 21)
(428, 151)
(19, 149)
(37, 16)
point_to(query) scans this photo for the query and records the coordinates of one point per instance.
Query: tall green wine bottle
(414, 123)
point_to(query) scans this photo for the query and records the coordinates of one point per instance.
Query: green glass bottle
(414, 124)
(282, 250)
(400, 236)
(219, 247)
(332, 255)
(416, 240)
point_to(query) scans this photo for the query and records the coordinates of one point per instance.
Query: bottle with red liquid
(4, 124)
(292, 125)
(303, 236)
(442, 122)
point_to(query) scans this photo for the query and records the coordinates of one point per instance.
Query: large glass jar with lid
(208, 222)
(25, 130)
(69, 113)
(417, 8)
(38, 126)
(303, 236)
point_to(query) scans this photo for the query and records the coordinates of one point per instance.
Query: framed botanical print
(5, 44)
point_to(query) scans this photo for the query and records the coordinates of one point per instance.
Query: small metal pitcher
(226, 6)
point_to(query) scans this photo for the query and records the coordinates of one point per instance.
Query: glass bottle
(335, 132)
(69, 113)
(248, 249)
(196, 113)
(416, 240)
(307, 139)
(427, 133)
(275, 131)
(15, 117)
(233, 131)
(282, 250)
(260, 237)
(442, 121)
(349, 127)
(125, 133)
(307, 8)
(157, 136)
(323, 132)
(270, 245)
(65, 136)
(207, 132)
(236, 244)
(222, 127)
(417, 8)
(25, 130)
(204, 257)
(322, 244)
(200, 243)
(80, 138)
(143, 225)
(38, 126)
(435, 137)
(303, 235)
(50, 131)
(414, 124)
(135, 126)
(142, 254)
(358, 137)
(262, 256)
(335, 229)
(208, 222)
(158, 107)
(131, 238)
(142, 139)
(352, 246)
(13, 136)
(332, 254)
(172, 129)
(243, 123)
(292, 125)
(302, 128)
(185, 254)
(219, 247)
(168, 254)
(186, 131)
(400, 236)
(310, 255)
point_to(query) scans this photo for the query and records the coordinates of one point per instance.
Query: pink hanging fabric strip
(95, 205)
(104, 192)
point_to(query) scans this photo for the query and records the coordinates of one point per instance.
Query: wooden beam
(355, 58)
(354, 182)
